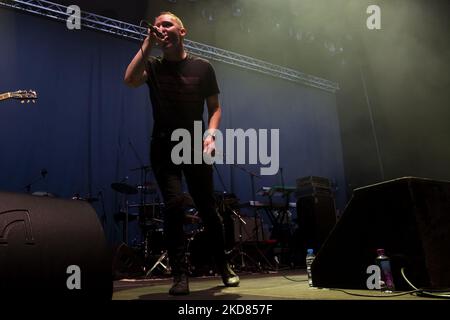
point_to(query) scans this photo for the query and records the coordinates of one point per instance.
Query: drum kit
(149, 213)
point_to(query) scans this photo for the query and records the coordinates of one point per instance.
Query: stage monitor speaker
(408, 217)
(316, 217)
(52, 248)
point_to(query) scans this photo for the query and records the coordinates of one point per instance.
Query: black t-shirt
(178, 91)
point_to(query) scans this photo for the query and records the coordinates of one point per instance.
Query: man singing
(179, 85)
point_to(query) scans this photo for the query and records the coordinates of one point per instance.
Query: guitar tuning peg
(33, 101)
(22, 101)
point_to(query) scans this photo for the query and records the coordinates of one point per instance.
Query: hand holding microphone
(156, 31)
(153, 29)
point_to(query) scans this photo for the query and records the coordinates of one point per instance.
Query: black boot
(229, 278)
(180, 285)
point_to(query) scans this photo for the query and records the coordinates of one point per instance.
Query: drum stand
(162, 261)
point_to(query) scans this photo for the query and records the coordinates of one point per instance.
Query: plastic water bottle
(310, 256)
(386, 281)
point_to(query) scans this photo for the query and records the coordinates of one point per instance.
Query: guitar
(23, 95)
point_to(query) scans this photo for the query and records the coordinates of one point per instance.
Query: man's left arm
(214, 116)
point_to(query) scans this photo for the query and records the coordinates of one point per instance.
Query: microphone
(153, 29)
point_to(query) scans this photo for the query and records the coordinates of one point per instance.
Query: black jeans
(199, 180)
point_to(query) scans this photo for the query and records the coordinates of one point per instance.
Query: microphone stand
(283, 217)
(223, 197)
(252, 181)
(144, 170)
(239, 246)
(146, 232)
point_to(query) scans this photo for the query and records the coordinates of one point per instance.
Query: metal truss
(127, 30)
(245, 62)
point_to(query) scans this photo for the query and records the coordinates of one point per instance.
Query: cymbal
(148, 188)
(123, 188)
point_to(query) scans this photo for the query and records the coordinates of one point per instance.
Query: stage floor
(280, 285)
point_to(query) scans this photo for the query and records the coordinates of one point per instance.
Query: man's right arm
(136, 75)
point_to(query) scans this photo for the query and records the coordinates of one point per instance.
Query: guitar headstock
(24, 95)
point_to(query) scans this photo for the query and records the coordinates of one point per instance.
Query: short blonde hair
(178, 20)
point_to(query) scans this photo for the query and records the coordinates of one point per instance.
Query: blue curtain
(88, 130)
